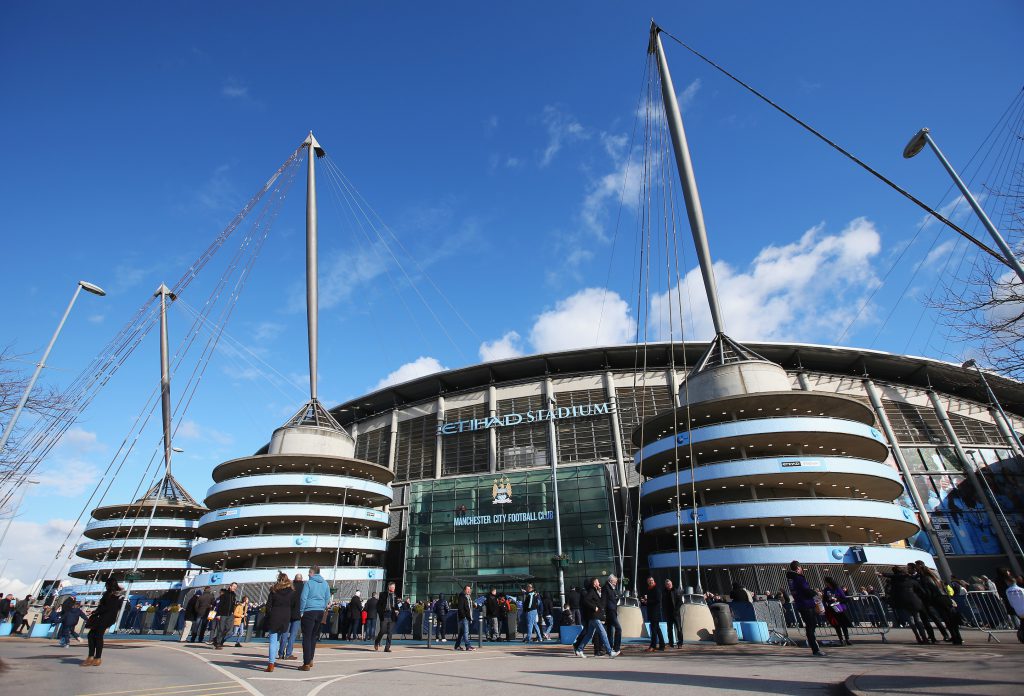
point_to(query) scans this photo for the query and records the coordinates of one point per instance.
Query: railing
(986, 612)
(867, 616)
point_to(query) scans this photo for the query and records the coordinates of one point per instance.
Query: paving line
(321, 687)
(241, 682)
(162, 690)
(230, 690)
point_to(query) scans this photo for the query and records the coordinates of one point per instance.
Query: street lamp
(992, 397)
(917, 143)
(82, 285)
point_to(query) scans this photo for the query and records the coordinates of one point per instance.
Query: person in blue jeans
(593, 608)
(278, 618)
(68, 620)
(531, 606)
(286, 650)
(465, 615)
(316, 595)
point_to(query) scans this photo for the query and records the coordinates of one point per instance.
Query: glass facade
(499, 530)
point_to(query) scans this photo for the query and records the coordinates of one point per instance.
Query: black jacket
(491, 606)
(371, 608)
(190, 607)
(204, 604)
(355, 608)
(279, 610)
(465, 607)
(382, 605)
(593, 605)
(652, 596)
(572, 598)
(105, 614)
(530, 601)
(907, 593)
(297, 599)
(226, 603)
(612, 595)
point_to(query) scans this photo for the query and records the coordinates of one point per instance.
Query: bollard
(480, 630)
(430, 629)
(725, 634)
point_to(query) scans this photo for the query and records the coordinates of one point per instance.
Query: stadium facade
(860, 461)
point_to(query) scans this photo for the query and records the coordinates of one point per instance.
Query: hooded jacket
(315, 594)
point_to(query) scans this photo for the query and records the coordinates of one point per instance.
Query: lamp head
(969, 364)
(94, 289)
(916, 143)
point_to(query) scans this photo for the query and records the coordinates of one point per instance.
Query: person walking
(572, 598)
(20, 612)
(70, 615)
(287, 649)
(239, 619)
(612, 595)
(531, 605)
(190, 616)
(387, 614)
(804, 601)
(592, 609)
(278, 621)
(652, 600)
(204, 605)
(1015, 598)
(836, 611)
(316, 595)
(909, 597)
(465, 616)
(354, 612)
(102, 618)
(224, 618)
(370, 609)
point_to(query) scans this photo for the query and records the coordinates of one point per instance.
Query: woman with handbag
(102, 618)
(834, 599)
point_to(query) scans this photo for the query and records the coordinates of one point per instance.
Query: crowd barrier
(867, 614)
(986, 612)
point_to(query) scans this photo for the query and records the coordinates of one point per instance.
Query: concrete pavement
(167, 668)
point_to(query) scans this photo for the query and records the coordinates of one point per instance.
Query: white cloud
(421, 366)
(233, 89)
(31, 547)
(685, 98)
(508, 346)
(800, 291)
(622, 182)
(191, 430)
(69, 471)
(939, 253)
(956, 210)
(267, 331)
(591, 317)
(97, 318)
(562, 129)
(341, 275)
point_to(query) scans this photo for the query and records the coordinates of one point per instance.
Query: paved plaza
(166, 668)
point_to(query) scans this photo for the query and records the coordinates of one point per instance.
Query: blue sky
(491, 139)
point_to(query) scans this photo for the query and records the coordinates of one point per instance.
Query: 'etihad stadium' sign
(539, 416)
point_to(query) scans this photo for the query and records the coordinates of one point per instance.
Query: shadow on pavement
(751, 684)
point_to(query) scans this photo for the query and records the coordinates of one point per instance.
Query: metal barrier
(773, 613)
(867, 616)
(984, 611)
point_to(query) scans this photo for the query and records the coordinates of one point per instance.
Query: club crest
(501, 491)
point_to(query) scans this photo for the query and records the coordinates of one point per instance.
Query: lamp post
(923, 137)
(82, 285)
(553, 434)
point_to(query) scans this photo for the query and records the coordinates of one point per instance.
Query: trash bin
(567, 635)
(724, 632)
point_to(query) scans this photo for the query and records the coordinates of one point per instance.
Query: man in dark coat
(371, 618)
(190, 616)
(671, 600)
(652, 600)
(225, 617)
(387, 614)
(593, 605)
(805, 604)
(612, 596)
(491, 612)
(203, 606)
(354, 612)
(909, 597)
(465, 617)
(572, 598)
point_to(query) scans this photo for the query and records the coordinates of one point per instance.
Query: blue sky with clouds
(492, 140)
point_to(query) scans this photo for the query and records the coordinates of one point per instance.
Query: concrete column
(438, 450)
(801, 377)
(393, 440)
(908, 481)
(1005, 429)
(972, 476)
(620, 460)
(673, 384)
(492, 433)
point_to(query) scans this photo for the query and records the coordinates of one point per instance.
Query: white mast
(313, 149)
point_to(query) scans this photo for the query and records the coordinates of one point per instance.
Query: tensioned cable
(849, 155)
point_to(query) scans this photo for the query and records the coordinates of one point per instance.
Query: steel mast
(163, 292)
(313, 150)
